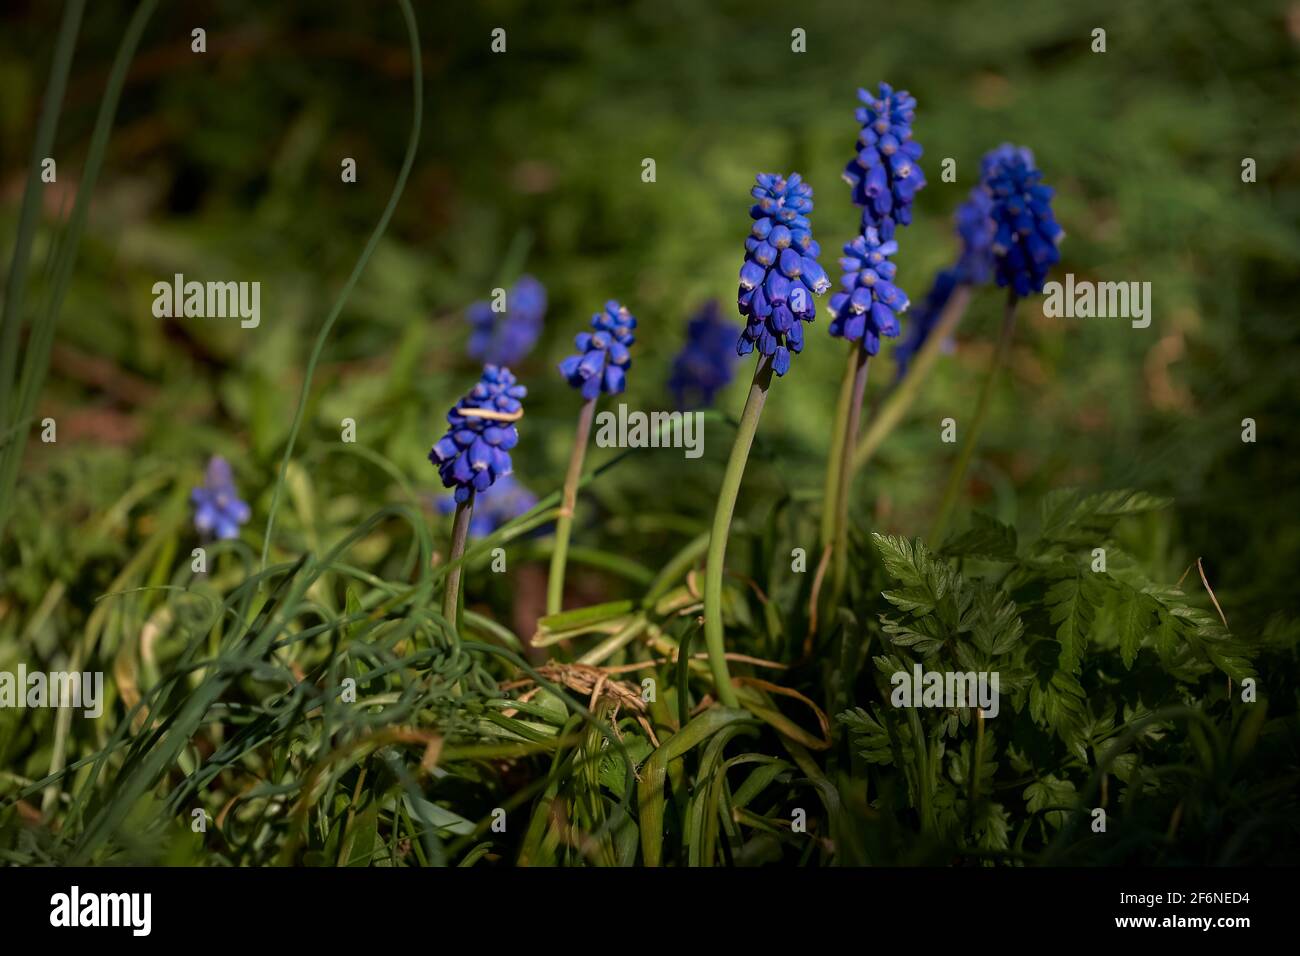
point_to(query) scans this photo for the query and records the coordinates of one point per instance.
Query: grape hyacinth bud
(707, 361)
(1027, 233)
(504, 338)
(885, 175)
(475, 451)
(781, 273)
(506, 500)
(603, 359)
(217, 508)
(868, 306)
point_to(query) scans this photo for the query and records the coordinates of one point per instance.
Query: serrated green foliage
(1052, 797)
(994, 624)
(986, 538)
(1058, 703)
(1132, 622)
(1070, 516)
(1088, 655)
(924, 581)
(970, 815)
(1073, 604)
(878, 737)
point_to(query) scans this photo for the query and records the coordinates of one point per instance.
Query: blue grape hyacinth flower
(1026, 231)
(475, 451)
(975, 229)
(603, 359)
(885, 175)
(218, 511)
(707, 362)
(506, 500)
(504, 338)
(781, 273)
(867, 307)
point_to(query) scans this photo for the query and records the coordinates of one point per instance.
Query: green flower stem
(834, 461)
(840, 550)
(717, 556)
(958, 473)
(459, 535)
(564, 524)
(901, 397)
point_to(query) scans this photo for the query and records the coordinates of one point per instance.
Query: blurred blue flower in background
(707, 361)
(505, 338)
(504, 501)
(218, 511)
(1027, 233)
(976, 228)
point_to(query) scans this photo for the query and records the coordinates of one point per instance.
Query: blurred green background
(225, 165)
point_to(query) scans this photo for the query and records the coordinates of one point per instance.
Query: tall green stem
(901, 397)
(835, 459)
(958, 474)
(717, 556)
(459, 535)
(564, 524)
(840, 551)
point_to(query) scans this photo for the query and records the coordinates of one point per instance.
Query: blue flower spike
(600, 365)
(1026, 233)
(885, 175)
(475, 452)
(884, 178)
(505, 338)
(867, 308)
(781, 274)
(707, 362)
(218, 510)
(975, 229)
(603, 356)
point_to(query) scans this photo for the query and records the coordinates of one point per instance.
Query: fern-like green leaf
(986, 538)
(1132, 621)
(1050, 791)
(1057, 703)
(1073, 604)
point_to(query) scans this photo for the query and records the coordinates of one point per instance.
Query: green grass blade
(417, 115)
